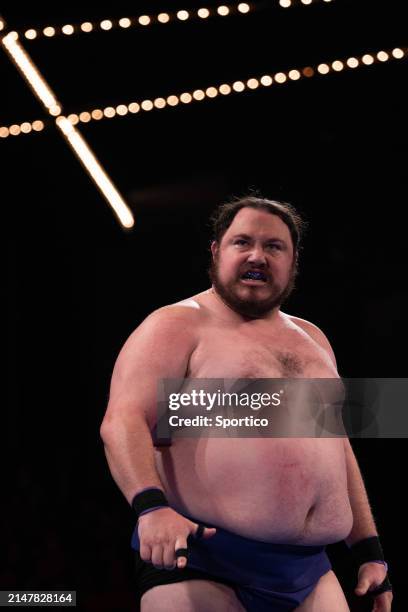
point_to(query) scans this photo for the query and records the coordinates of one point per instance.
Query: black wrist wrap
(367, 550)
(151, 498)
(370, 550)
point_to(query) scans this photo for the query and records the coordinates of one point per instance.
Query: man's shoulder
(184, 316)
(172, 327)
(314, 332)
(187, 310)
(306, 325)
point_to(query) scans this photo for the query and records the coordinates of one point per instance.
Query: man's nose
(257, 256)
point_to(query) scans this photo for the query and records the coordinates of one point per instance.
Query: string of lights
(290, 3)
(107, 25)
(278, 78)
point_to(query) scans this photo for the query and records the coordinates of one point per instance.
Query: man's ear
(214, 248)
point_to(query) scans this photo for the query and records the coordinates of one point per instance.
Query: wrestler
(233, 523)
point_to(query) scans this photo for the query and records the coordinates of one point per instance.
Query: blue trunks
(265, 577)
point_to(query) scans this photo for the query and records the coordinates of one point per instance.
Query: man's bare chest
(226, 354)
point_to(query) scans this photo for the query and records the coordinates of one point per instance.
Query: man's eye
(275, 246)
(241, 241)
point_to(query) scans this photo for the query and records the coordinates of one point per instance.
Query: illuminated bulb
(172, 100)
(106, 24)
(352, 62)
(13, 36)
(67, 29)
(134, 107)
(367, 59)
(85, 117)
(224, 89)
(14, 130)
(243, 7)
(223, 10)
(308, 71)
(61, 122)
(280, 77)
(1, 28)
(159, 102)
(49, 31)
(238, 86)
(73, 118)
(266, 80)
(253, 83)
(306, 1)
(211, 92)
(109, 112)
(323, 68)
(337, 66)
(122, 110)
(86, 26)
(147, 105)
(30, 34)
(397, 53)
(183, 15)
(198, 94)
(203, 13)
(294, 75)
(185, 98)
(97, 114)
(285, 3)
(125, 22)
(163, 18)
(55, 110)
(4, 132)
(144, 20)
(37, 126)
(382, 56)
(25, 127)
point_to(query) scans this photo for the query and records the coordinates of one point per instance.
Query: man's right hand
(161, 533)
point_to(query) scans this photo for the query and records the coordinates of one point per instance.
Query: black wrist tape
(151, 498)
(367, 550)
(370, 550)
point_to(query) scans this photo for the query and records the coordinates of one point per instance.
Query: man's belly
(291, 490)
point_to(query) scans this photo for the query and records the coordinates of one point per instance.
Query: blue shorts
(266, 577)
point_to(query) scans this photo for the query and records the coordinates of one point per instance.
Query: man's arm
(371, 576)
(159, 348)
(363, 520)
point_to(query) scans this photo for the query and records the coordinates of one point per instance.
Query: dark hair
(225, 214)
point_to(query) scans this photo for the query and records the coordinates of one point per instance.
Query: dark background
(77, 284)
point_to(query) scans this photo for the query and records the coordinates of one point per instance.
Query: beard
(247, 307)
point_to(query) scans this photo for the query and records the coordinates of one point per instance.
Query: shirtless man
(268, 505)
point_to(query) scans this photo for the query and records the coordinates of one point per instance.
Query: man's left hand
(370, 576)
